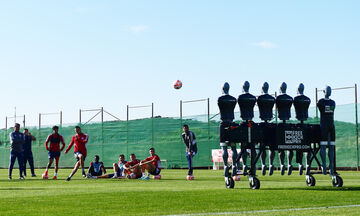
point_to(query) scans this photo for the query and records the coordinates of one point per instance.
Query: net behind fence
(111, 138)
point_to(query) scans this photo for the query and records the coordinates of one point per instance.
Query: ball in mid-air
(177, 84)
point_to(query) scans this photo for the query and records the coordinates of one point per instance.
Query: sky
(70, 55)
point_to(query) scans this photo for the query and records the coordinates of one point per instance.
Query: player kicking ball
(152, 164)
(54, 151)
(132, 168)
(79, 139)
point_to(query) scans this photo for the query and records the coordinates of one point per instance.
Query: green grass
(174, 195)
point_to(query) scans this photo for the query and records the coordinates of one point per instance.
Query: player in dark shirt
(326, 107)
(28, 155)
(189, 140)
(283, 105)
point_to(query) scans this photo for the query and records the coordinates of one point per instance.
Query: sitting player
(132, 168)
(118, 169)
(96, 167)
(152, 164)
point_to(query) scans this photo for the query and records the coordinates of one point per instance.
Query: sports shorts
(76, 155)
(53, 154)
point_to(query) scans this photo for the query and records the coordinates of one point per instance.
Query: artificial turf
(174, 195)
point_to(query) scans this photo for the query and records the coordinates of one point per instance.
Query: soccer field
(173, 195)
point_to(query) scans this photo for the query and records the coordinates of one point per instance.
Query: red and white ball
(190, 177)
(43, 176)
(157, 177)
(177, 84)
(236, 178)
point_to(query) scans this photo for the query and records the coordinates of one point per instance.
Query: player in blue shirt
(28, 155)
(17, 140)
(96, 167)
(118, 170)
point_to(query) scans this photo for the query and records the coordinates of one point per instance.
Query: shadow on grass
(324, 188)
(16, 189)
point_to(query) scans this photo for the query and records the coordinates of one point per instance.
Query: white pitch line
(267, 211)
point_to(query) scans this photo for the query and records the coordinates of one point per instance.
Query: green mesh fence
(109, 139)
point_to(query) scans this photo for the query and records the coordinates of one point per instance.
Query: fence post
(127, 130)
(180, 123)
(61, 119)
(6, 129)
(102, 131)
(39, 131)
(208, 104)
(152, 124)
(357, 128)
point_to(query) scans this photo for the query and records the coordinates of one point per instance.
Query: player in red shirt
(132, 168)
(54, 150)
(152, 164)
(80, 139)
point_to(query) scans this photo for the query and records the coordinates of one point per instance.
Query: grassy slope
(174, 195)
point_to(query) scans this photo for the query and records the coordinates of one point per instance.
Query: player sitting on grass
(118, 170)
(54, 151)
(132, 168)
(151, 164)
(96, 167)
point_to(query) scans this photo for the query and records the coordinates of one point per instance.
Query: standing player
(96, 167)
(80, 139)
(189, 140)
(28, 155)
(132, 168)
(152, 164)
(54, 151)
(17, 140)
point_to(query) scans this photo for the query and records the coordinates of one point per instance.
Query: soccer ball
(157, 177)
(236, 178)
(177, 84)
(43, 176)
(190, 177)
